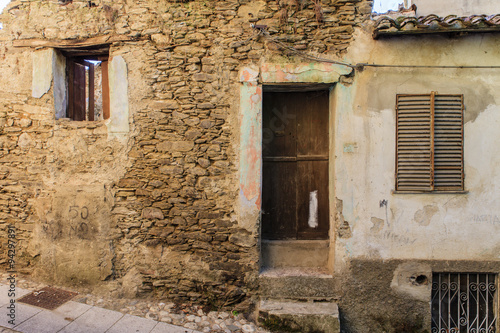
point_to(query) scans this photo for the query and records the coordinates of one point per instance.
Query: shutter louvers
(414, 147)
(429, 141)
(448, 142)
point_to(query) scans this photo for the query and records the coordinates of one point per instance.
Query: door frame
(252, 80)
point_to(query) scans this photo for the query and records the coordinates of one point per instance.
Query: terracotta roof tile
(405, 25)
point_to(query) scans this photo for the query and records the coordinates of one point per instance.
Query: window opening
(87, 83)
(463, 302)
(429, 143)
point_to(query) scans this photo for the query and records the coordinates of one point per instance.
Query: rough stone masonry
(153, 208)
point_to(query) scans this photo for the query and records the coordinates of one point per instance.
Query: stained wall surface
(164, 198)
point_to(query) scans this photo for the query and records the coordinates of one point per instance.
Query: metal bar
(468, 303)
(487, 300)
(458, 300)
(477, 303)
(440, 303)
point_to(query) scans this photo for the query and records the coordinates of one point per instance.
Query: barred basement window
(87, 83)
(429, 143)
(463, 303)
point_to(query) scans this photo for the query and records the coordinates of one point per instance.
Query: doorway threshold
(277, 272)
(307, 255)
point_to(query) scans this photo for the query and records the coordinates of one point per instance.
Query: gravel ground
(188, 316)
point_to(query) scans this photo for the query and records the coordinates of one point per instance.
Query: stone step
(297, 283)
(296, 253)
(304, 317)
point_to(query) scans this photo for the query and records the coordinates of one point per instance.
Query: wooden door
(295, 159)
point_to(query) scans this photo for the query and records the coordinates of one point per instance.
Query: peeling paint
(378, 224)
(303, 73)
(251, 142)
(343, 227)
(249, 75)
(424, 216)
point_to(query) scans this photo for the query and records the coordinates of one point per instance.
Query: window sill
(429, 192)
(68, 124)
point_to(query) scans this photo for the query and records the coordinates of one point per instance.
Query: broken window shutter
(414, 143)
(70, 72)
(79, 87)
(91, 89)
(448, 142)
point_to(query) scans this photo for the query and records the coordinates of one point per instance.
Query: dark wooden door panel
(312, 124)
(312, 200)
(295, 165)
(278, 206)
(279, 128)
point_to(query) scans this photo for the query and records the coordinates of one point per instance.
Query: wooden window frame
(429, 143)
(77, 62)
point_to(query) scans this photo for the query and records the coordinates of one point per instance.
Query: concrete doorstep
(72, 317)
(303, 317)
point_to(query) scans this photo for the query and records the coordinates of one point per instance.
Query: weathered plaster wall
(456, 7)
(413, 225)
(171, 206)
(424, 233)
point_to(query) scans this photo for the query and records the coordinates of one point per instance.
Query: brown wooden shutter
(429, 142)
(414, 144)
(79, 96)
(448, 142)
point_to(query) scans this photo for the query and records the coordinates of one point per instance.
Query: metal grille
(463, 303)
(429, 139)
(48, 297)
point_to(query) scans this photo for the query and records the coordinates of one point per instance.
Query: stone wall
(162, 199)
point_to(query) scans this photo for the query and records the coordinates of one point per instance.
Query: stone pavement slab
(22, 313)
(53, 321)
(132, 324)
(4, 293)
(95, 320)
(74, 317)
(7, 330)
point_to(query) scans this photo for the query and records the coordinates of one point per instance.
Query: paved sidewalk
(74, 317)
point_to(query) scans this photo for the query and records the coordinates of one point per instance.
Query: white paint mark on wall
(313, 209)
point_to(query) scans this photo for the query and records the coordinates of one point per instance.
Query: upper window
(87, 84)
(429, 143)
